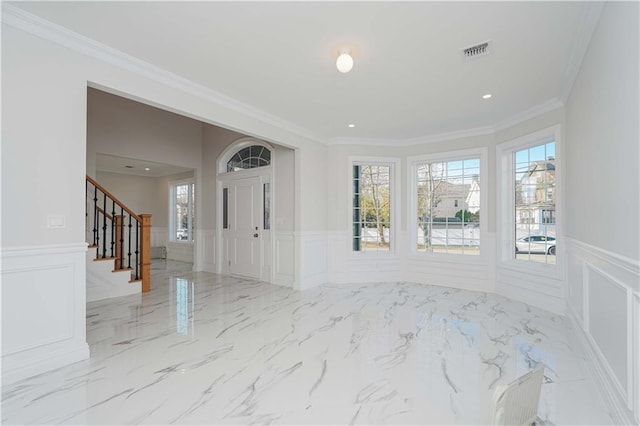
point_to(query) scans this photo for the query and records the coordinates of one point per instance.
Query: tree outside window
(182, 207)
(371, 207)
(448, 206)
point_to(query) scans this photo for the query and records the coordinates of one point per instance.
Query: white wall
(283, 216)
(141, 194)
(602, 180)
(120, 127)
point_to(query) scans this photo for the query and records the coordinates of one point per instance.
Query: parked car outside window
(536, 244)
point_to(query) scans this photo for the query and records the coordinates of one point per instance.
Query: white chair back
(517, 402)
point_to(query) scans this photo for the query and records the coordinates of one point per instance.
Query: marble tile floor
(209, 349)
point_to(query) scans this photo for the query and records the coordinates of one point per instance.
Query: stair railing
(116, 232)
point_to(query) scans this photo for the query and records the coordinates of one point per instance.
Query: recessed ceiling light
(352, 125)
(146, 169)
(487, 96)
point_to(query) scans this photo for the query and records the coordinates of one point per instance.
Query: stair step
(100, 259)
(92, 246)
(135, 281)
(122, 270)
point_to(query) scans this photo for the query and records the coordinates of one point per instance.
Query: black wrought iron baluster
(113, 227)
(129, 248)
(104, 226)
(96, 236)
(137, 249)
(121, 230)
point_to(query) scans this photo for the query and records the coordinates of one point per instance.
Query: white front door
(242, 235)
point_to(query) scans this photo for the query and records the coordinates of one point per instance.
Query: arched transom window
(249, 158)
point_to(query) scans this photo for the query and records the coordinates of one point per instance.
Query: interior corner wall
(45, 82)
(345, 267)
(283, 216)
(602, 230)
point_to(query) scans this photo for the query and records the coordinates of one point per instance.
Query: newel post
(145, 251)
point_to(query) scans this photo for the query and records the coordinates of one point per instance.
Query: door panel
(243, 236)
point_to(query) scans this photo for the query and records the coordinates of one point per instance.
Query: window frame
(412, 216)
(394, 212)
(260, 158)
(172, 207)
(506, 214)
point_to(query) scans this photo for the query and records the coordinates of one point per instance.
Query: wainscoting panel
(206, 250)
(607, 308)
(34, 284)
(182, 252)
(542, 292)
(575, 287)
(159, 236)
(43, 309)
(284, 259)
(467, 276)
(469, 273)
(606, 322)
(313, 259)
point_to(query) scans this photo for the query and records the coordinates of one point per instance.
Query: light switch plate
(56, 221)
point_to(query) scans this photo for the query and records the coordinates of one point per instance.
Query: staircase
(119, 255)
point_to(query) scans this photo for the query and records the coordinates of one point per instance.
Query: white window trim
(394, 213)
(172, 198)
(505, 215)
(412, 216)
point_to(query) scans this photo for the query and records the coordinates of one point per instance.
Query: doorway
(245, 210)
(241, 233)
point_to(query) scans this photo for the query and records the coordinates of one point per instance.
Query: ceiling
(130, 166)
(409, 79)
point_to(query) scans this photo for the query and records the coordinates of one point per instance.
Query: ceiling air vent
(478, 50)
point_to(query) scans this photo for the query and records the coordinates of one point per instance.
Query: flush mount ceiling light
(487, 96)
(344, 63)
(352, 126)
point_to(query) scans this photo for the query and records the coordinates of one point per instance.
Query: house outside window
(182, 211)
(447, 200)
(534, 174)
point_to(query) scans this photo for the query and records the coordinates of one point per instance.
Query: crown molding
(533, 112)
(588, 23)
(536, 111)
(440, 137)
(32, 24)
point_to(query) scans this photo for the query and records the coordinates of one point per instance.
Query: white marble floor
(209, 349)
